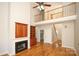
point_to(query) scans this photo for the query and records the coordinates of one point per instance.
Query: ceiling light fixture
(41, 7)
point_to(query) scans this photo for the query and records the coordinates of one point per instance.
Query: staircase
(56, 42)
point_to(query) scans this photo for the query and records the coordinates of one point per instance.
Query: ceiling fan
(41, 5)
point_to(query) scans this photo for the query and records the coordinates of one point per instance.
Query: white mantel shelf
(58, 20)
(21, 39)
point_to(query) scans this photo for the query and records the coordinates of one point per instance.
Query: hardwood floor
(47, 50)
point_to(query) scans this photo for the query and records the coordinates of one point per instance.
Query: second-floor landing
(58, 20)
(61, 14)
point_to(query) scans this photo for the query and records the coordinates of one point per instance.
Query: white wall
(77, 28)
(68, 34)
(32, 15)
(9, 14)
(34, 11)
(19, 12)
(47, 33)
(4, 28)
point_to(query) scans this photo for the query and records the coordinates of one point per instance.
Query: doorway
(42, 36)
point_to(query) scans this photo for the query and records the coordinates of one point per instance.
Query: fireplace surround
(20, 46)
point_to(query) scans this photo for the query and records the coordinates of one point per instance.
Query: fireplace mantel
(21, 39)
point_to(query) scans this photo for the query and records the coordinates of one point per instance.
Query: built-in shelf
(21, 30)
(21, 39)
(33, 40)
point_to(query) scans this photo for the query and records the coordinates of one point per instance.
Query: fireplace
(20, 46)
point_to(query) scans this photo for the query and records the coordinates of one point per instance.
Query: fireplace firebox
(20, 46)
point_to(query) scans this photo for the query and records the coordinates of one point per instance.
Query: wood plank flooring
(47, 50)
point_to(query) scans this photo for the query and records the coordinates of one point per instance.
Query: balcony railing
(63, 11)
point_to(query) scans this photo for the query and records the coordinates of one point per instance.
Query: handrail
(61, 7)
(62, 12)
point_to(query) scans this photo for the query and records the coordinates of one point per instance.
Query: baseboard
(76, 52)
(48, 42)
(12, 54)
(4, 54)
(72, 49)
